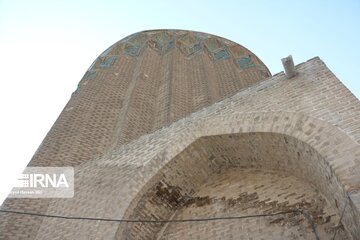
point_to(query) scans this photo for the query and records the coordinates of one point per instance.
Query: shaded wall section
(241, 175)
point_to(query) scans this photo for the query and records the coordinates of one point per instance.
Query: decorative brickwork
(163, 41)
(134, 45)
(170, 133)
(189, 44)
(245, 62)
(217, 49)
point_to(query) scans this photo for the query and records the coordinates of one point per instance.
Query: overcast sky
(46, 47)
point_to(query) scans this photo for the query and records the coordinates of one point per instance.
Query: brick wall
(305, 129)
(316, 152)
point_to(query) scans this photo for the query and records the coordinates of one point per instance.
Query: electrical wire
(297, 211)
(150, 221)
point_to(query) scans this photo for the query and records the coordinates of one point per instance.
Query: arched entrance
(253, 175)
(164, 175)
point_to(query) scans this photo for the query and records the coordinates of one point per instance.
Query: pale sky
(46, 47)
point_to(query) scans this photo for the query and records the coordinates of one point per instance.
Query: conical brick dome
(159, 76)
(142, 83)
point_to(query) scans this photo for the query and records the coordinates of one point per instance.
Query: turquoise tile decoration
(164, 41)
(90, 74)
(135, 44)
(189, 44)
(245, 62)
(108, 61)
(217, 49)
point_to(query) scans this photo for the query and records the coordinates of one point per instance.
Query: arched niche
(243, 174)
(192, 151)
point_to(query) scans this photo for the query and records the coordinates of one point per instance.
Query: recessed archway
(268, 202)
(182, 157)
(240, 175)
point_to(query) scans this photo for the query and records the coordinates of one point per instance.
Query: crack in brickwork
(173, 190)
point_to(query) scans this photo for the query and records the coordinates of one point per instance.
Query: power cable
(150, 221)
(297, 211)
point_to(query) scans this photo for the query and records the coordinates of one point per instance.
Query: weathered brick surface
(123, 96)
(249, 192)
(210, 156)
(305, 130)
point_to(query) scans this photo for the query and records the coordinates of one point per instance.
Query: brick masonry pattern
(313, 117)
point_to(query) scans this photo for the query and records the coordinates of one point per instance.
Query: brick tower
(185, 135)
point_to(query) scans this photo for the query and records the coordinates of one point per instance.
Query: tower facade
(185, 135)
